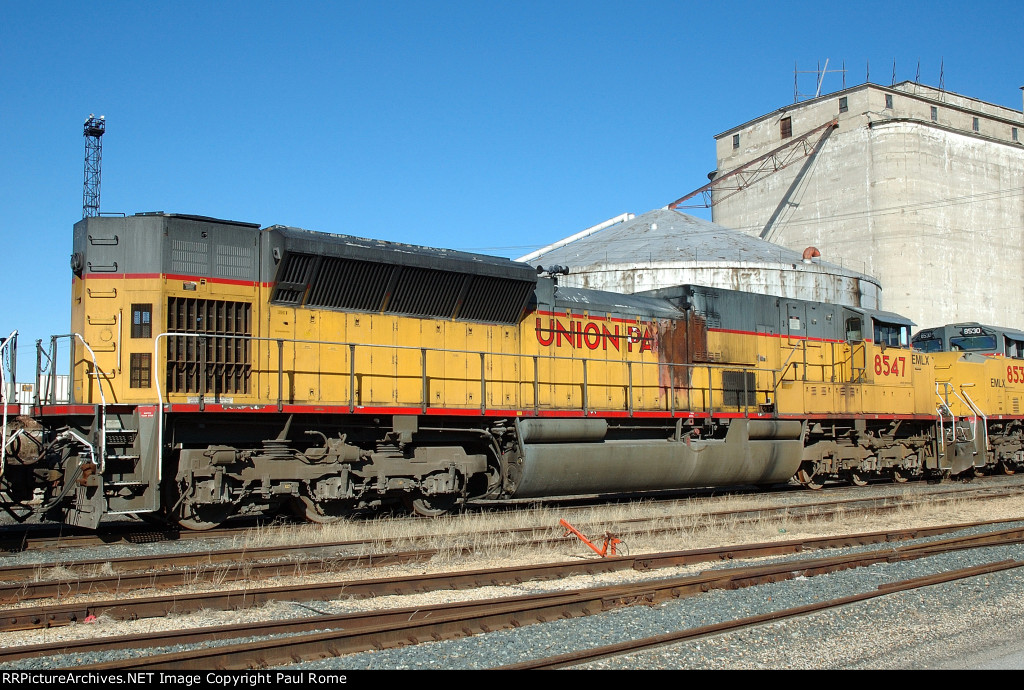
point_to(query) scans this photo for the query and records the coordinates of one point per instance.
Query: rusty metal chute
(761, 167)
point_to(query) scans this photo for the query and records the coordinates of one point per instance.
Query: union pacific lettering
(579, 334)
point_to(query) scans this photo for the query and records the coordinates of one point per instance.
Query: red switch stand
(609, 540)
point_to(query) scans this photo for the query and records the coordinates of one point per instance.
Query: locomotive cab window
(853, 329)
(891, 335)
(142, 320)
(973, 343)
(1014, 348)
(928, 344)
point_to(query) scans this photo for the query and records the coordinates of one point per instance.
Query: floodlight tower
(94, 128)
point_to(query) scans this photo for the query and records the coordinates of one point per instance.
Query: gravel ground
(976, 623)
(944, 626)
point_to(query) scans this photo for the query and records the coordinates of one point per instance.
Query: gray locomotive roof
(1011, 332)
(611, 301)
(203, 219)
(379, 251)
(668, 235)
(885, 316)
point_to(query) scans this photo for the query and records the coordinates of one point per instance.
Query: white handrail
(984, 420)
(3, 402)
(948, 388)
(101, 465)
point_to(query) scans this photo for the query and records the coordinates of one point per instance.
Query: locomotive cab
(971, 337)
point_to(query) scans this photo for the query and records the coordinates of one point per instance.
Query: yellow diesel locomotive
(219, 368)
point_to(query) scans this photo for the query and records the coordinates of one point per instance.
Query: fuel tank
(559, 461)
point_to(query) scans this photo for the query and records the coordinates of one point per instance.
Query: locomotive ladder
(978, 414)
(956, 433)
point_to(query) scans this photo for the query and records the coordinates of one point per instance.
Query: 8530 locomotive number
(1014, 374)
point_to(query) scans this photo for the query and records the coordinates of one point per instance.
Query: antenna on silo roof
(818, 81)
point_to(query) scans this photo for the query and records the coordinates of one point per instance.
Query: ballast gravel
(974, 623)
(953, 625)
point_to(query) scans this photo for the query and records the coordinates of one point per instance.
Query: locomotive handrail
(977, 411)
(947, 388)
(707, 405)
(7, 347)
(97, 374)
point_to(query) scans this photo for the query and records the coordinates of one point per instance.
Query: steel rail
(23, 583)
(62, 614)
(414, 625)
(593, 654)
(15, 592)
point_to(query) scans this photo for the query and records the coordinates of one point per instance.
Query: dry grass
(483, 540)
(670, 526)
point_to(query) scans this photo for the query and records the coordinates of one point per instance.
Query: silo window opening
(736, 141)
(843, 105)
(888, 101)
(1013, 134)
(786, 127)
(977, 125)
(935, 114)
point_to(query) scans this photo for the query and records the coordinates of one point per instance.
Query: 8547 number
(890, 366)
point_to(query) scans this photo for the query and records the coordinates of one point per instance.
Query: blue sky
(495, 127)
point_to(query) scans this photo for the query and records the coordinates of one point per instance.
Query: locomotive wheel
(1005, 468)
(899, 475)
(809, 480)
(857, 479)
(431, 506)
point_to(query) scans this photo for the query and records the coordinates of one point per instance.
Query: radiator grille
(215, 365)
(326, 282)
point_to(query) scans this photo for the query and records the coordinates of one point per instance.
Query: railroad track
(349, 633)
(18, 584)
(161, 606)
(595, 653)
(28, 582)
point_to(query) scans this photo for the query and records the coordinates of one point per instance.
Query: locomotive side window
(142, 318)
(853, 329)
(139, 371)
(891, 335)
(1014, 348)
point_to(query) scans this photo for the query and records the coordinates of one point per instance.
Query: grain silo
(665, 248)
